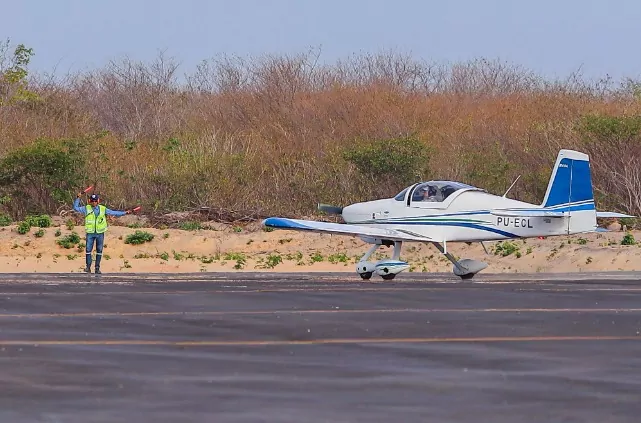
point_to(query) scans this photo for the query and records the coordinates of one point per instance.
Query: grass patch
(506, 248)
(273, 260)
(316, 257)
(190, 226)
(338, 258)
(69, 241)
(139, 237)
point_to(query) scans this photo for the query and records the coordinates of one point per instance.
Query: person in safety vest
(95, 226)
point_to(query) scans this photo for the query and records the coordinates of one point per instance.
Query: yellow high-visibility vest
(96, 224)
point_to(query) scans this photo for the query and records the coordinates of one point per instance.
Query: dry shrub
(267, 135)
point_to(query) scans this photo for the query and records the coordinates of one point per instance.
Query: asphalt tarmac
(244, 347)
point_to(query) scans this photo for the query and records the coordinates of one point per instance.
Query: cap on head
(94, 197)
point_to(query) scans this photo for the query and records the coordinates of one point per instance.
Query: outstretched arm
(110, 212)
(76, 205)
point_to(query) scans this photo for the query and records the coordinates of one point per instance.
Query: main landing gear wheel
(389, 276)
(464, 268)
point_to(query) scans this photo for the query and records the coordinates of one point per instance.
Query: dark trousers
(99, 239)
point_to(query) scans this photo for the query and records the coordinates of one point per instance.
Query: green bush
(42, 221)
(139, 237)
(5, 219)
(505, 248)
(41, 175)
(403, 160)
(596, 128)
(628, 239)
(23, 227)
(273, 260)
(69, 241)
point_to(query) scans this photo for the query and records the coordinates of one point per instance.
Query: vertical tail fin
(570, 190)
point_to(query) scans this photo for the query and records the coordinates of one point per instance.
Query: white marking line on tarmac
(306, 288)
(577, 289)
(309, 289)
(133, 342)
(331, 311)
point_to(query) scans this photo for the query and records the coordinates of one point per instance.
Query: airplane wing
(611, 214)
(343, 229)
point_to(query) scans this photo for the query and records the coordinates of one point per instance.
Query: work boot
(98, 271)
(87, 269)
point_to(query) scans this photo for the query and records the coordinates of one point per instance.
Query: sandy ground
(250, 248)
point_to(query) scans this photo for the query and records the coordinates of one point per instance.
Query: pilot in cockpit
(430, 193)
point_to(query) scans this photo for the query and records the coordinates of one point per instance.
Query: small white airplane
(441, 212)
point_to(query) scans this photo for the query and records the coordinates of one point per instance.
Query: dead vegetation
(243, 138)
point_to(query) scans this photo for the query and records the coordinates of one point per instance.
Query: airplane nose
(353, 213)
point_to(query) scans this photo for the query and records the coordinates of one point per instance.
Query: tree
(13, 74)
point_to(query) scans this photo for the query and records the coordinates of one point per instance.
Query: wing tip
(282, 223)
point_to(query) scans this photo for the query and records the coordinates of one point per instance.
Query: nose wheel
(366, 276)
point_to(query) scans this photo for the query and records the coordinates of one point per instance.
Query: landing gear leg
(397, 250)
(464, 268)
(365, 268)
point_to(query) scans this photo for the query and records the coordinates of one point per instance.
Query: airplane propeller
(329, 209)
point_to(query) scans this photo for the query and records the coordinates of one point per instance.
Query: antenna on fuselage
(508, 190)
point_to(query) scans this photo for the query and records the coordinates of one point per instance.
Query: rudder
(570, 190)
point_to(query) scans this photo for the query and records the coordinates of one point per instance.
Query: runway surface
(320, 348)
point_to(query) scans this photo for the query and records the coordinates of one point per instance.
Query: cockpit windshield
(401, 195)
(437, 191)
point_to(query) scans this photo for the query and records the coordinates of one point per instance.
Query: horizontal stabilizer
(611, 214)
(341, 229)
(528, 213)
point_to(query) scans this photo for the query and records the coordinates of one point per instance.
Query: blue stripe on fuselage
(460, 224)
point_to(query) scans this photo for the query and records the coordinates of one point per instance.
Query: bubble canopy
(434, 191)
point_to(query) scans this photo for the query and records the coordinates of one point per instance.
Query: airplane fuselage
(458, 218)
